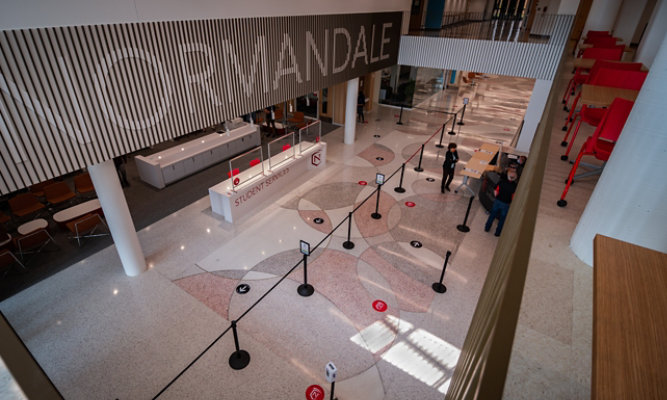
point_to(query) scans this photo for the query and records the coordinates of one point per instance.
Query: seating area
(28, 224)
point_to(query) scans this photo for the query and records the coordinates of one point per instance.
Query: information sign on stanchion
(305, 289)
(330, 372)
(463, 112)
(379, 179)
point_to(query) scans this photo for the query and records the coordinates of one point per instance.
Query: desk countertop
(602, 96)
(629, 321)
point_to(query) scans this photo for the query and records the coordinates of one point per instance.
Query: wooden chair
(25, 204)
(33, 242)
(38, 188)
(8, 260)
(86, 226)
(58, 193)
(83, 185)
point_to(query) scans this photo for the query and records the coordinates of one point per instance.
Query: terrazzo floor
(100, 334)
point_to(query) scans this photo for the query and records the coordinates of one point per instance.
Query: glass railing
(309, 136)
(246, 167)
(281, 150)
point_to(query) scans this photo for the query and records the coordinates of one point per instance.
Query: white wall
(628, 18)
(568, 7)
(42, 13)
(654, 35)
(602, 15)
(534, 111)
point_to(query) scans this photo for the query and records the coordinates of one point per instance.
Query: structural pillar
(653, 36)
(117, 215)
(628, 202)
(534, 111)
(351, 110)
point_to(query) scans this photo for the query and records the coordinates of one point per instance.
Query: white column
(654, 35)
(351, 110)
(534, 111)
(602, 15)
(628, 202)
(112, 199)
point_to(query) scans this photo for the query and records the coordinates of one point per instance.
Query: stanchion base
(419, 169)
(348, 245)
(463, 228)
(564, 128)
(399, 190)
(376, 215)
(563, 157)
(439, 287)
(440, 146)
(451, 133)
(563, 143)
(460, 123)
(239, 359)
(399, 123)
(305, 290)
(561, 203)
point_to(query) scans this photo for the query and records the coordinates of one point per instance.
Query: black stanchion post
(453, 123)
(376, 214)
(400, 116)
(240, 358)
(348, 244)
(400, 188)
(442, 132)
(333, 384)
(463, 227)
(463, 112)
(419, 168)
(305, 289)
(438, 286)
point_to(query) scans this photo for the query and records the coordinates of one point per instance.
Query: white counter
(170, 165)
(234, 205)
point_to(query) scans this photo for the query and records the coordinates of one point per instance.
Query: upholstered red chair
(612, 54)
(594, 115)
(601, 143)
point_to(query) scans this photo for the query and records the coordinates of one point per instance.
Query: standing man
(501, 205)
(361, 102)
(451, 158)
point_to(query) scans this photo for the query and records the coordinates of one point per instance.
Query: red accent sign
(379, 305)
(314, 392)
(363, 183)
(409, 204)
(236, 181)
(316, 158)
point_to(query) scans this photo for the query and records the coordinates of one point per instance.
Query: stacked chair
(601, 143)
(581, 75)
(616, 78)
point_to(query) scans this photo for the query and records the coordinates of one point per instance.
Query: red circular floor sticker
(314, 392)
(363, 183)
(409, 204)
(379, 305)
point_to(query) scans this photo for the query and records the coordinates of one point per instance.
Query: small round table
(32, 226)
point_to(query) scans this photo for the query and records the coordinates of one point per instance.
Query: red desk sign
(379, 305)
(314, 392)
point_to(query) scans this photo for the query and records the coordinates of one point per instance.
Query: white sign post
(330, 372)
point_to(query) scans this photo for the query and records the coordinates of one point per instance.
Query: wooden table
(587, 63)
(602, 96)
(77, 211)
(629, 321)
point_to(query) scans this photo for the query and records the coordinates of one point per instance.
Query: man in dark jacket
(451, 158)
(504, 193)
